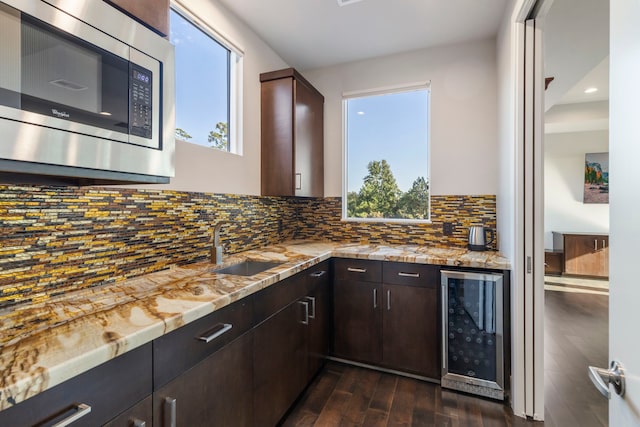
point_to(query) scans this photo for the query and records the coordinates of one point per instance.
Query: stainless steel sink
(248, 268)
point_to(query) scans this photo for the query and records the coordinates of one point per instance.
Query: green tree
(219, 138)
(182, 134)
(415, 202)
(379, 195)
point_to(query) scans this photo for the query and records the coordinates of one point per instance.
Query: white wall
(564, 184)
(507, 200)
(203, 169)
(464, 150)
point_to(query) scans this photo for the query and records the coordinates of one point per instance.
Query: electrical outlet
(447, 228)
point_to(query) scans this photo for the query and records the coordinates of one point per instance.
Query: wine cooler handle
(445, 328)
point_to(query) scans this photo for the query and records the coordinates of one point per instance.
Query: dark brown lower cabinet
(319, 326)
(279, 363)
(215, 392)
(93, 398)
(409, 329)
(391, 320)
(357, 321)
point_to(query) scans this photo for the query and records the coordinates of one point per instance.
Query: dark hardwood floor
(576, 336)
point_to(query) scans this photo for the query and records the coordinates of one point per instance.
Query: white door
(624, 166)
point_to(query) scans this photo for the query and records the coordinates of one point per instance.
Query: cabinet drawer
(108, 390)
(277, 296)
(362, 270)
(405, 273)
(181, 349)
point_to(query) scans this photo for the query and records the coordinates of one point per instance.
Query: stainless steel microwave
(85, 92)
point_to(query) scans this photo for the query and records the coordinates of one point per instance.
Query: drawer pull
(356, 270)
(388, 300)
(138, 423)
(403, 274)
(81, 409)
(375, 298)
(216, 332)
(169, 412)
(318, 273)
(313, 307)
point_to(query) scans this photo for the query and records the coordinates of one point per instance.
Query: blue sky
(201, 80)
(393, 127)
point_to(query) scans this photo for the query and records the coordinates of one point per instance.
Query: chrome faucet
(216, 249)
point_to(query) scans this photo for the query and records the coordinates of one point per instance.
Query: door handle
(375, 298)
(388, 299)
(601, 378)
(169, 412)
(312, 300)
(138, 423)
(305, 304)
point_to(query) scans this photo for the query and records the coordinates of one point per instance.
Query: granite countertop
(45, 344)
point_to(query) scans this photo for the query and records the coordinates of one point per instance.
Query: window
(387, 154)
(207, 78)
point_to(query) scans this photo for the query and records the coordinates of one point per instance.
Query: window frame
(235, 61)
(386, 90)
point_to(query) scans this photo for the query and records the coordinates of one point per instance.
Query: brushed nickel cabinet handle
(312, 300)
(403, 274)
(388, 299)
(356, 270)
(138, 423)
(305, 304)
(169, 412)
(375, 298)
(81, 409)
(318, 273)
(216, 332)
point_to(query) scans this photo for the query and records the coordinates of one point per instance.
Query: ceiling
(311, 34)
(576, 51)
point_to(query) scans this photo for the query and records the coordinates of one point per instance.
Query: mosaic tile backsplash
(57, 239)
(322, 219)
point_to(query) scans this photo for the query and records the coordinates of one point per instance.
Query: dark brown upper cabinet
(152, 13)
(292, 120)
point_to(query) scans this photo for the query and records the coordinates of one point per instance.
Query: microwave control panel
(141, 95)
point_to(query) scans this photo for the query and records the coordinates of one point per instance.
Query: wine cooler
(472, 339)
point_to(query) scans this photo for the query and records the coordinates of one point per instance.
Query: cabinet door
(277, 123)
(586, 255)
(279, 363)
(318, 328)
(308, 140)
(215, 392)
(357, 321)
(410, 329)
